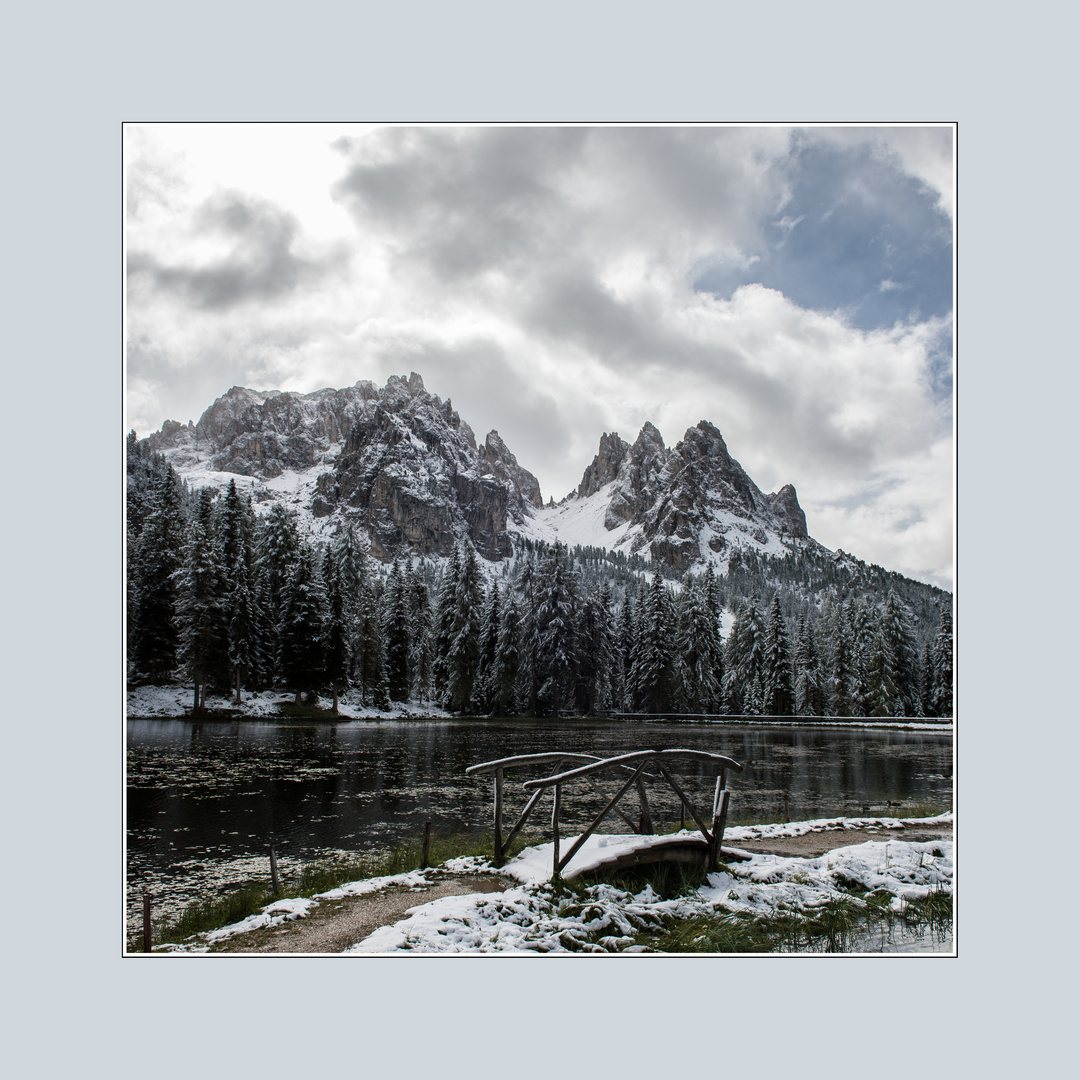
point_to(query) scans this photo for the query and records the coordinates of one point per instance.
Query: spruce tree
(420, 624)
(653, 668)
(508, 658)
(778, 688)
(303, 617)
(395, 627)
(338, 637)
(157, 558)
(941, 695)
(201, 607)
(699, 647)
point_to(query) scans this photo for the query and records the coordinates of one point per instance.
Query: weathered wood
(147, 935)
(646, 817)
(425, 847)
(787, 812)
(688, 850)
(498, 816)
(719, 821)
(555, 830)
(622, 759)
(274, 881)
(526, 759)
(520, 760)
(534, 798)
(599, 817)
(687, 803)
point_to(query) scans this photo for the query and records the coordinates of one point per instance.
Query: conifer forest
(223, 599)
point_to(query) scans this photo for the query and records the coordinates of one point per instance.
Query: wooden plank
(687, 803)
(686, 850)
(599, 817)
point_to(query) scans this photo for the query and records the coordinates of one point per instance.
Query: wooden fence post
(274, 880)
(426, 846)
(498, 816)
(146, 931)
(555, 831)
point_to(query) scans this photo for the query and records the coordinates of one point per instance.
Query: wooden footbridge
(701, 850)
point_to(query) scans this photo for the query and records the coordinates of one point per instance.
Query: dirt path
(811, 844)
(336, 924)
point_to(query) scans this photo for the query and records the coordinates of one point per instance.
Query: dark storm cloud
(857, 235)
(260, 263)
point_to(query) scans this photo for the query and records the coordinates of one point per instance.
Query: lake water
(206, 800)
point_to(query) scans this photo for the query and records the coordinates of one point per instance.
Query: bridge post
(498, 816)
(555, 830)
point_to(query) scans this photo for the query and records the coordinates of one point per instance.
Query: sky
(792, 285)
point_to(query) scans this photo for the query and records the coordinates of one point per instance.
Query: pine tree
(278, 550)
(653, 668)
(201, 608)
(157, 559)
(395, 628)
(508, 657)
(778, 689)
(338, 637)
(420, 632)
(556, 645)
(303, 617)
(809, 697)
(489, 647)
(596, 654)
(698, 646)
(941, 695)
(462, 657)
(900, 655)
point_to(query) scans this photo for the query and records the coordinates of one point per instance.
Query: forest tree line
(228, 600)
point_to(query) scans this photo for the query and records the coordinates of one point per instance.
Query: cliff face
(400, 464)
(686, 501)
(396, 461)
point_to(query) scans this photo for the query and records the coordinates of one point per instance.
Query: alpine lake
(206, 800)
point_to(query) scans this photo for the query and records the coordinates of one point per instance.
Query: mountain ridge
(400, 463)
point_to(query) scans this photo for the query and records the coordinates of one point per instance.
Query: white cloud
(542, 280)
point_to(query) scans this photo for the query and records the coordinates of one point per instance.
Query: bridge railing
(632, 765)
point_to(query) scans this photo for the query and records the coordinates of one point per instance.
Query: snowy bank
(537, 916)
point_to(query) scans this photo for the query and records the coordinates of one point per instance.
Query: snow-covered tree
(778, 688)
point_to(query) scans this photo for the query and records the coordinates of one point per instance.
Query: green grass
(212, 914)
(831, 928)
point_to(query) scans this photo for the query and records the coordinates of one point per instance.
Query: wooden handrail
(623, 759)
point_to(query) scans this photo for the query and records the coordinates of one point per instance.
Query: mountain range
(401, 464)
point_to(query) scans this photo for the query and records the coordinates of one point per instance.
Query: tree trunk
(237, 686)
(297, 702)
(197, 706)
(335, 699)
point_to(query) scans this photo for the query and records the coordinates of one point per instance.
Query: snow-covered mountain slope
(400, 464)
(683, 506)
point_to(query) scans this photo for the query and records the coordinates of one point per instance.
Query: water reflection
(206, 800)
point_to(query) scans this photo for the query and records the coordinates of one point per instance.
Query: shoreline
(166, 703)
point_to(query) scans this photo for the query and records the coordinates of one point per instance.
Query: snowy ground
(534, 917)
(176, 701)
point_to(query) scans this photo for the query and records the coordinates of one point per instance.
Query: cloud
(792, 286)
(248, 255)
